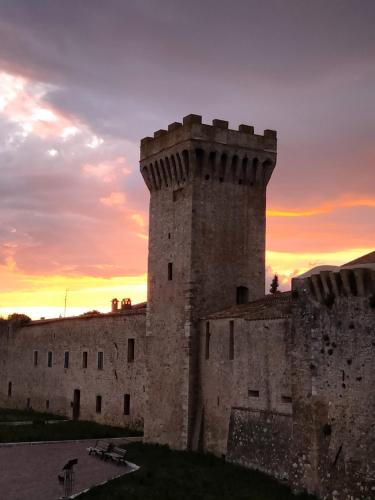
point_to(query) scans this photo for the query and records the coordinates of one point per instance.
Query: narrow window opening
(66, 359)
(231, 340)
(49, 359)
(98, 404)
(131, 350)
(286, 399)
(47, 404)
(35, 358)
(169, 236)
(242, 295)
(9, 389)
(126, 404)
(207, 177)
(170, 271)
(28, 403)
(208, 336)
(100, 360)
(84, 359)
(253, 394)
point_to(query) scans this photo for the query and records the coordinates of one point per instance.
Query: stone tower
(206, 252)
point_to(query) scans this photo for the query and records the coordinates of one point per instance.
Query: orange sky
(81, 84)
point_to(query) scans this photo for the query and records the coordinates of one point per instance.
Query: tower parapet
(213, 152)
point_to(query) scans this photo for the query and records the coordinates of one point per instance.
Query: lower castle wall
(260, 440)
(56, 384)
(256, 379)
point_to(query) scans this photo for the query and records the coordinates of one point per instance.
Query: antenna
(66, 297)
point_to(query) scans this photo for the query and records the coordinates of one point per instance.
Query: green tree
(274, 285)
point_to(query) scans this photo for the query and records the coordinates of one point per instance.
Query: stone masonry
(280, 383)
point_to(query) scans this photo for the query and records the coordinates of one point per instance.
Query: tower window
(35, 358)
(100, 360)
(208, 336)
(170, 271)
(49, 359)
(84, 359)
(98, 404)
(66, 359)
(131, 345)
(126, 404)
(9, 389)
(242, 295)
(253, 394)
(231, 340)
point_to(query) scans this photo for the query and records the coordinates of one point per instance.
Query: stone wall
(333, 376)
(261, 440)
(257, 379)
(45, 388)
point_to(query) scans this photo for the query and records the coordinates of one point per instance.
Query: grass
(39, 431)
(176, 475)
(11, 415)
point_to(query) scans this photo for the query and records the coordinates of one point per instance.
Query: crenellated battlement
(325, 286)
(213, 152)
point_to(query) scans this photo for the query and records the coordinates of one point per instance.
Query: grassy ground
(60, 431)
(171, 475)
(10, 415)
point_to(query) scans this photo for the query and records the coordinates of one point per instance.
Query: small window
(47, 404)
(208, 337)
(253, 394)
(242, 295)
(49, 359)
(28, 403)
(100, 360)
(98, 404)
(126, 404)
(131, 345)
(170, 271)
(286, 399)
(9, 389)
(231, 340)
(66, 359)
(35, 358)
(84, 359)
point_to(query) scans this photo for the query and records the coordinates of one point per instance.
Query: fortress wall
(334, 376)
(56, 384)
(257, 379)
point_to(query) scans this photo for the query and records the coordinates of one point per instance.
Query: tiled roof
(369, 258)
(275, 306)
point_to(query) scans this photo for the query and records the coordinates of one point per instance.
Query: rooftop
(276, 306)
(369, 258)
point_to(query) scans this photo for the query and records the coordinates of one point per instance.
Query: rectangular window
(286, 399)
(98, 404)
(231, 340)
(253, 394)
(28, 403)
(170, 271)
(126, 404)
(66, 359)
(131, 346)
(35, 358)
(100, 360)
(208, 336)
(9, 389)
(84, 359)
(49, 359)
(47, 404)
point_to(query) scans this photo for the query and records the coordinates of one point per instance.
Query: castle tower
(206, 252)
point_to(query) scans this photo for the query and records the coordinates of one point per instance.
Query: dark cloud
(121, 70)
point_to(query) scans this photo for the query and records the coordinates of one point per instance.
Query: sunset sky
(82, 81)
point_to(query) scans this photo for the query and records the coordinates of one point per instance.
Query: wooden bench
(117, 455)
(100, 449)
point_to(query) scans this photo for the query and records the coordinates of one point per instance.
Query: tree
(16, 320)
(274, 285)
